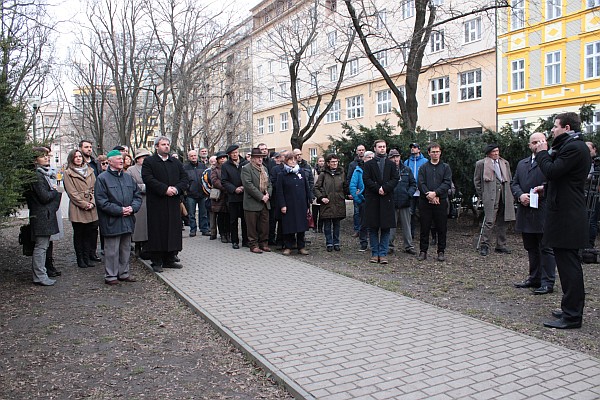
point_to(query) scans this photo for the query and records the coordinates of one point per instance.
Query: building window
(440, 91)
(312, 152)
(353, 67)
(270, 124)
(270, 66)
(407, 8)
(283, 119)
(553, 68)
(247, 116)
(592, 60)
(594, 126)
(331, 5)
(437, 2)
(259, 44)
(593, 3)
(333, 74)
(282, 89)
(355, 107)
(309, 112)
(260, 123)
(437, 41)
(472, 30)
(312, 48)
(384, 102)
(517, 14)
(381, 19)
(271, 94)
(518, 125)
(332, 39)
(381, 56)
(247, 52)
(313, 79)
(246, 95)
(518, 74)
(259, 70)
(553, 9)
(470, 85)
(334, 112)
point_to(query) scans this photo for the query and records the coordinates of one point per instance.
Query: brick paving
(326, 336)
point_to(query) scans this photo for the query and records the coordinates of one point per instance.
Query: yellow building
(548, 60)
(457, 88)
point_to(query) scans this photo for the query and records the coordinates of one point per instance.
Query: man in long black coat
(380, 177)
(165, 181)
(566, 167)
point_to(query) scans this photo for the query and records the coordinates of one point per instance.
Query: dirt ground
(84, 339)
(481, 287)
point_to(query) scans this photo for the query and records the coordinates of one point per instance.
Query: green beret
(113, 153)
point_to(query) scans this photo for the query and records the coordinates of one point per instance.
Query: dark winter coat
(309, 176)
(231, 179)
(219, 205)
(273, 176)
(406, 188)
(435, 178)
(194, 174)
(566, 169)
(164, 213)
(332, 185)
(113, 191)
(293, 192)
(379, 210)
(528, 176)
(43, 202)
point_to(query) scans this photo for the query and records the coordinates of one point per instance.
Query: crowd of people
(262, 201)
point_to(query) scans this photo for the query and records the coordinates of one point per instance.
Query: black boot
(86, 260)
(80, 262)
(51, 269)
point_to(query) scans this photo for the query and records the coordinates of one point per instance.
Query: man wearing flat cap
(492, 185)
(231, 179)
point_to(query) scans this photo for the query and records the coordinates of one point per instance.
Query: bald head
(534, 139)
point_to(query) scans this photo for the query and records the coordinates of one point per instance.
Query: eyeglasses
(104, 163)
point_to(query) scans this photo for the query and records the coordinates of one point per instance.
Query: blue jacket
(115, 190)
(356, 183)
(414, 163)
(406, 187)
(194, 173)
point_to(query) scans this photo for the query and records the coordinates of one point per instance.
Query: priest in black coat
(165, 181)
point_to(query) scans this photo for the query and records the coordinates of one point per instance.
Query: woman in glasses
(79, 185)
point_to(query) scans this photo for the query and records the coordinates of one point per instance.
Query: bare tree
(428, 17)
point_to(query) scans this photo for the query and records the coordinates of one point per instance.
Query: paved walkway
(331, 337)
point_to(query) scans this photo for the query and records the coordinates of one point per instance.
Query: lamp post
(34, 102)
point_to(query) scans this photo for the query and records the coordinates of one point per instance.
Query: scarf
(264, 179)
(83, 170)
(48, 175)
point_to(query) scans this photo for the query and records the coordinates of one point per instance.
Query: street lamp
(34, 102)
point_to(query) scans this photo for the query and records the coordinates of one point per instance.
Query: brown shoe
(266, 249)
(374, 259)
(287, 252)
(383, 260)
(128, 279)
(304, 252)
(256, 250)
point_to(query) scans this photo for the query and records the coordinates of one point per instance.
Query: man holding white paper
(527, 186)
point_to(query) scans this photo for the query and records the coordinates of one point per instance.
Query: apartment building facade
(548, 60)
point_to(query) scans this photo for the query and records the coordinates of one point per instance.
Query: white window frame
(312, 48)
(259, 45)
(353, 67)
(517, 72)
(270, 124)
(553, 9)
(592, 60)
(439, 89)
(259, 70)
(518, 125)
(309, 111)
(313, 79)
(437, 42)
(593, 3)
(382, 57)
(384, 102)
(260, 126)
(472, 30)
(517, 14)
(283, 89)
(332, 39)
(284, 121)
(469, 85)
(381, 19)
(594, 126)
(333, 115)
(355, 107)
(407, 9)
(271, 94)
(553, 67)
(333, 73)
(312, 153)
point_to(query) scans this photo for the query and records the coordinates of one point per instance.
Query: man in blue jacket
(118, 199)
(357, 190)
(414, 162)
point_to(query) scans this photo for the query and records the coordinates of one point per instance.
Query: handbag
(309, 219)
(25, 240)
(215, 194)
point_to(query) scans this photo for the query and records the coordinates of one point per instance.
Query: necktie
(533, 163)
(497, 171)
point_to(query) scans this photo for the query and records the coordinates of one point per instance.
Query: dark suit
(530, 222)
(566, 216)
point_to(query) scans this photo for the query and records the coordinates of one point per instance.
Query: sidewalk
(326, 336)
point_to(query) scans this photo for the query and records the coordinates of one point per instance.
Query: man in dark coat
(530, 222)
(165, 181)
(434, 181)
(356, 218)
(231, 178)
(403, 193)
(118, 199)
(380, 177)
(566, 167)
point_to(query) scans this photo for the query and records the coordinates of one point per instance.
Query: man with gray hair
(195, 199)
(165, 181)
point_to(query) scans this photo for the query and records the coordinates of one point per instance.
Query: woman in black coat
(43, 200)
(293, 198)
